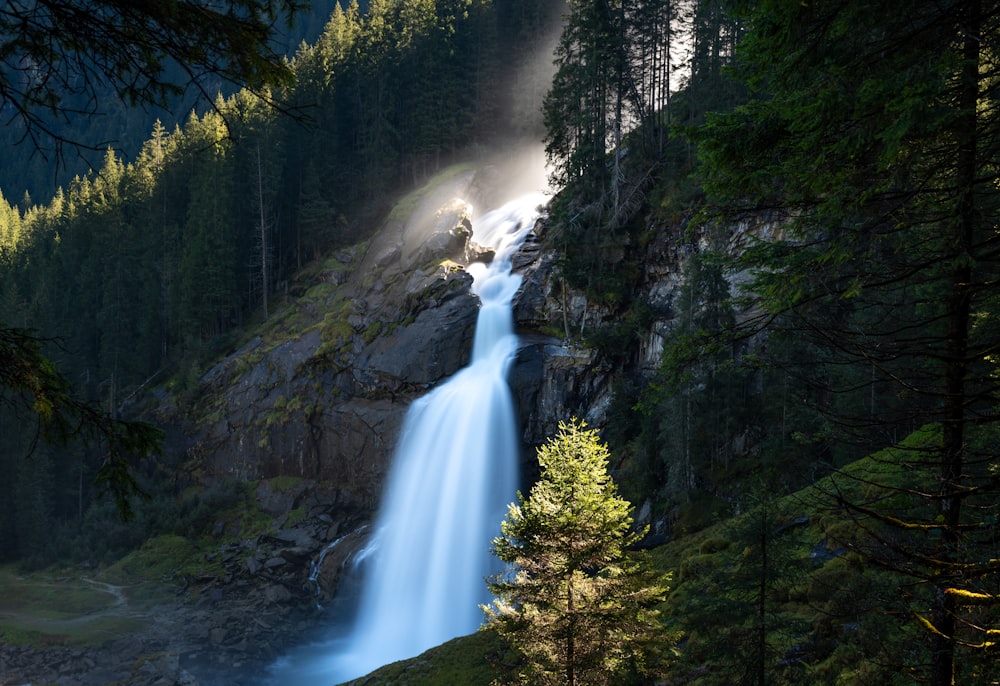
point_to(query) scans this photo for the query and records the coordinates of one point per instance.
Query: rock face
(322, 395)
(557, 376)
(324, 399)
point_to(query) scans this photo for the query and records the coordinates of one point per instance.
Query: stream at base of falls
(421, 576)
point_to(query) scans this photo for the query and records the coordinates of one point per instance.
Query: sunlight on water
(454, 472)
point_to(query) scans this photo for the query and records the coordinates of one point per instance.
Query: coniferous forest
(140, 272)
(828, 172)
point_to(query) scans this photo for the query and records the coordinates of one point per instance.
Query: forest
(829, 170)
(140, 272)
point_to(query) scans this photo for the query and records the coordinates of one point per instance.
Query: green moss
(408, 203)
(283, 410)
(321, 292)
(335, 331)
(283, 484)
(159, 558)
(295, 516)
(552, 330)
(247, 362)
(372, 331)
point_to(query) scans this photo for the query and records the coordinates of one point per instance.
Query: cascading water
(454, 473)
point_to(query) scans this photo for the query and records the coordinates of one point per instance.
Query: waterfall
(453, 474)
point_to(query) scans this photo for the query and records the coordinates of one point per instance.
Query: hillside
(277, 452)
(785, 584)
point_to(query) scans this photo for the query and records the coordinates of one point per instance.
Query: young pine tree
(576, 605)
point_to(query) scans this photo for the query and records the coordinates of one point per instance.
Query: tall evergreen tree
(871, 141)
(576, 604)
(91, 51)
(209, 269)
(582, 106)
(10, 229)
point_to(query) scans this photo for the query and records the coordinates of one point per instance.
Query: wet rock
(478, 253)
(296, 537)
(439, 229)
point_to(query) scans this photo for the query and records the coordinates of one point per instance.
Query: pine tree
(580, 109)
(577, 605)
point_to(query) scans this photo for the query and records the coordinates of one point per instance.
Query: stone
(297, 537)
(276, 593)
(434, 346)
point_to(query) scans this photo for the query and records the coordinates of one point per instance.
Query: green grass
(46, 609)
(45, 596)
(159, 558)
(459, 661)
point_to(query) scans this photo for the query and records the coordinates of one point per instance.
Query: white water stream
(454, 472)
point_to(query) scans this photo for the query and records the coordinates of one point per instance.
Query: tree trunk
(762, 601)
(956, 366)
(570, 647)
(263, 232)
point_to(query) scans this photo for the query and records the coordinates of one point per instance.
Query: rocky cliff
(320, 393)
(310, 407)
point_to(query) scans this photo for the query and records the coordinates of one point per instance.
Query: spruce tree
(576, 604)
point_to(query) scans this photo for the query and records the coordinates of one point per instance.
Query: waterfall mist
(453, 474)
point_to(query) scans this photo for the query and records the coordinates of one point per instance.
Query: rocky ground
(262, 596)
(225, 636)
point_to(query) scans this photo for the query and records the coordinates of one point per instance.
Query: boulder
(276, 593)
(433, 347)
